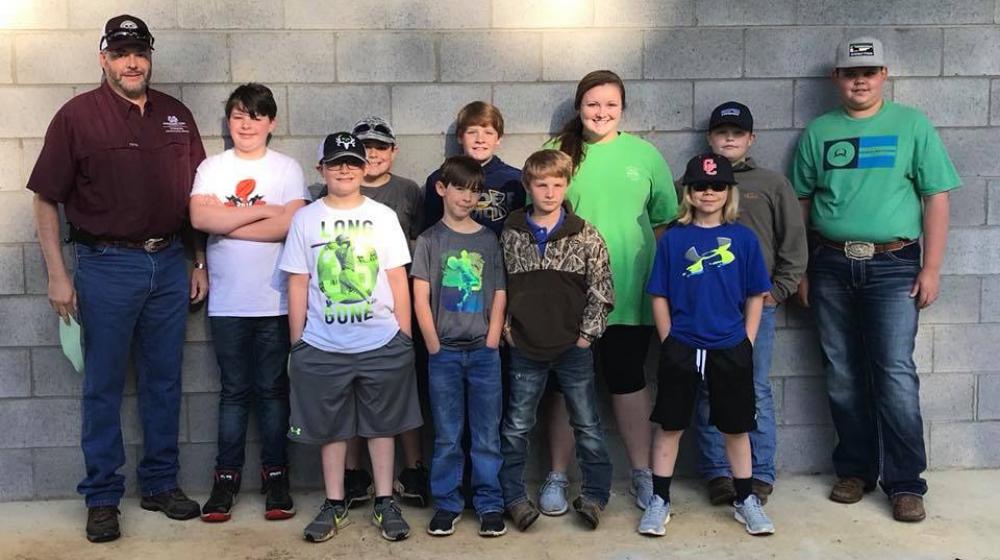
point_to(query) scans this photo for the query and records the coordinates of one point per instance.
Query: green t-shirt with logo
(625, 189)
(865, 176)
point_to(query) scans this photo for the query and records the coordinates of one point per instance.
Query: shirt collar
(124, 105)
(536, 229)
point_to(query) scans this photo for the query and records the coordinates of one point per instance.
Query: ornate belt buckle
(859, 250)
(155, 244)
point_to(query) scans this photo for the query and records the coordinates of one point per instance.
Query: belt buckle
(155, 244)
(859, 250)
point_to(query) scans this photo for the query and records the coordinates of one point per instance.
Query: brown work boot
(848, 490)
(523, 514)
(721, 491)
(762, 490)
(589, 510)
(908, 508)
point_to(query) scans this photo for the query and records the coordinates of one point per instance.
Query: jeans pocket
(90, 251)
(907, 255)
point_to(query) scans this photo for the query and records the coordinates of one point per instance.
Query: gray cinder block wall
(416, 63)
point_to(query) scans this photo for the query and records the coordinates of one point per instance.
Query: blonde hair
(730, 211)
(547, 163)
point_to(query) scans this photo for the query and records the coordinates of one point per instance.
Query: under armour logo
(345, 141)
(709, 166)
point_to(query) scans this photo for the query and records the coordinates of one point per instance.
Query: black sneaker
(387, 517)
(358, 486)
(102, 524)
(224, 491)
(412, 484)
(274, 483)
(491, 524)
(443, 523)
(173, 503)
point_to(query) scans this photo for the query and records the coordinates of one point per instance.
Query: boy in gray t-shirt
(459, 296)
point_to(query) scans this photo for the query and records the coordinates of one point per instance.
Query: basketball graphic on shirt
(462, 281)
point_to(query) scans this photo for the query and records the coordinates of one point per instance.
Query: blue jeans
(252, 353)
(130, 300)
(574, 369)
(867, 325)
(712, 461)
(464, 382)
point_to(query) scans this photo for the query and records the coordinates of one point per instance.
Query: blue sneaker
(655, 518)
(552, 494)
(751, 514)
(641, 487)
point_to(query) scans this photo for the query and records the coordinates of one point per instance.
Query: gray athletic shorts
(336, 396)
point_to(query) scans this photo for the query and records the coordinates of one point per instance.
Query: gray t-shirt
(464, 270)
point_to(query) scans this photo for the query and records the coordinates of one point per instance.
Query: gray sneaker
(552, 494)
(387, 517)
(655, 518)
(328, 521)
(751, 514)
(641, 487)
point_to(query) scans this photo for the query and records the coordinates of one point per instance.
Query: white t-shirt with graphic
(346, 254)
(244, 280)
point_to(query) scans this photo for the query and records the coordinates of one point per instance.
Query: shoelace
(753, 511)
(553, 483)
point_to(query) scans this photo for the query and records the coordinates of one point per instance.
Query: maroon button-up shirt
(120, 173)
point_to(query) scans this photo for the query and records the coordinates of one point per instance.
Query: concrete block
(947, 397)
(813, 97)
(386, 57)
(431, 109)
(208, 105)
(501, 56)
(335, 14)
(958, 301)
(15, 373)
(972, 251)
(35, 272)
(814, 47)
(539, 13)
(947, 101)
(321, 110)
(644, 13)
(11, 269)
(657, 106)
(441, 14)
(894, 12)
(35, 321)
(10, 166)
(566, 57)
(52, 374)
(534, 107)
(770, 101)
(971, 51)
(970, 150)
(307, 469)
(39, 422)
(203, 417)
(17, 219)
(230, 14)
(16, 477)
(419, 155)
(961, 348)
(91, 14)
(805, 449)
(30, 150)
(6, 58)
(909, 51)
(303, 149)
(796, 353)
(283, 57)
(965, 445)
(989, 397)
(198, 328)
(185, 57)
(805, 401)
(29, 109)
(994, 102)
(200, 372)
(968, 204)
(747, 12)
(680, 53)
(57, 58)
(774, 149)
(197, 461)
(516, 148)
(993, 213)
(677, 148)
(990, 312)
(38, 14)
(57, 470)
(923, 351)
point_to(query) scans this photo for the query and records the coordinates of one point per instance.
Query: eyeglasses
(714, 187)
(126, 34)
(349, 163)
(379, 128)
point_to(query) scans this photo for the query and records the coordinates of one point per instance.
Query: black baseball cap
(126, 31)
(731, 112)
(709, 169)
(341, 145)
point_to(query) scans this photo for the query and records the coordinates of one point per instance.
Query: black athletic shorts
(728, 374)
(621, 357)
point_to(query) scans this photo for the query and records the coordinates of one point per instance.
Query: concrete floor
(963, 523)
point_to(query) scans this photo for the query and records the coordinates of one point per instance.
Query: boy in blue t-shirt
(708, 284)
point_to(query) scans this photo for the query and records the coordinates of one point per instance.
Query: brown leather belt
(150, 245)
(863, 250)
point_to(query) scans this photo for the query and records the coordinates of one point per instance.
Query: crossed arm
(267, 222)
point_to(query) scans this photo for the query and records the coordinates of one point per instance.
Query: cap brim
(385, 139)
(341, 155)
(727, 121)
(128, 43)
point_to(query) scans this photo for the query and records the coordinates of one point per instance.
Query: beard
(132, 90)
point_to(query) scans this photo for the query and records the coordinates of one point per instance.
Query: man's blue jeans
(130, 300)
(867, 325)
(712, 460)
(252, 353)
(574, 369)
(466, 382)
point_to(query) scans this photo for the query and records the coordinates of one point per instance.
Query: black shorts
(728, 374)
(621, 357)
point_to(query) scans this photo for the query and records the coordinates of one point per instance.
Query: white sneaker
(655, 518)
(552, 494)
(751, 514)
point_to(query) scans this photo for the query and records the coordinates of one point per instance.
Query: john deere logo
(839, 154)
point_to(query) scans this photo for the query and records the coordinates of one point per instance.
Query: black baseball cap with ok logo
(709, 169)
(126, 31)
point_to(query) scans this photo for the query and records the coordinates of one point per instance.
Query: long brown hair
(570, 138)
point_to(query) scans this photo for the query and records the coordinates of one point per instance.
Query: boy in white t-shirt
(351, 365)
(245, 198)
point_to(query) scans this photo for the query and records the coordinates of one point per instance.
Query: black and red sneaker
(278, 503)
(219, 506)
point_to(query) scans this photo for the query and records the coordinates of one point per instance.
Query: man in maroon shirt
(121, 160)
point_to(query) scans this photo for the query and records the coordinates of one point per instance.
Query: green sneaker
(387, 517)
(331, 518)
